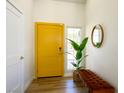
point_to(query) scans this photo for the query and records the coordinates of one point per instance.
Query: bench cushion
(93, 81)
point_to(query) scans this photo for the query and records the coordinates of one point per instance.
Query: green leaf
(83, 43)
(78, 55)
(78, 49)
(75, 65)
(74, 45)
(71, 54)
(97, 45)
(81, 59)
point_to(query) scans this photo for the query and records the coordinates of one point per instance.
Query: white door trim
(14, 5)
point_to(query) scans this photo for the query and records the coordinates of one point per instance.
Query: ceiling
(75, 1)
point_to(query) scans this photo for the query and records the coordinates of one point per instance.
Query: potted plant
(79, 57)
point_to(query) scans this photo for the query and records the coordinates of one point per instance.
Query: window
(73, 34)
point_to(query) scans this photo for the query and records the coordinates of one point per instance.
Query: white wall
(27, 6)
(69, 13)
(104, 60)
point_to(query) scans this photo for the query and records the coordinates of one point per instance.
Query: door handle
(60, 48)
(21, 58)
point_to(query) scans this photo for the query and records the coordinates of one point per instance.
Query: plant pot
(76, 77)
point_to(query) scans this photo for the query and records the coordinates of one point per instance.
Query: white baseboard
(15, 90)
(68, 74)
(28, 83)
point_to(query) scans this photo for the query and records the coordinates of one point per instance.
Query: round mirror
(97, 35)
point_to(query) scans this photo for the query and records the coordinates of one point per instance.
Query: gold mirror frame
(102, 36)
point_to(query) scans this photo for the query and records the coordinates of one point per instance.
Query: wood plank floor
(56, 85)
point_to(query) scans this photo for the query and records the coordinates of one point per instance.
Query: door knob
(21, 58)
(60, 48)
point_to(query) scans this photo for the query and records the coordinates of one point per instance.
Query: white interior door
(15, 50)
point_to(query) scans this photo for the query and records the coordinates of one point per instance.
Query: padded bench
(94, 82)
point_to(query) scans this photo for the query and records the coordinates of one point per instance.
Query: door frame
(36, 43)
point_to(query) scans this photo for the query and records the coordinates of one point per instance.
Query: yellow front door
(49, 49)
